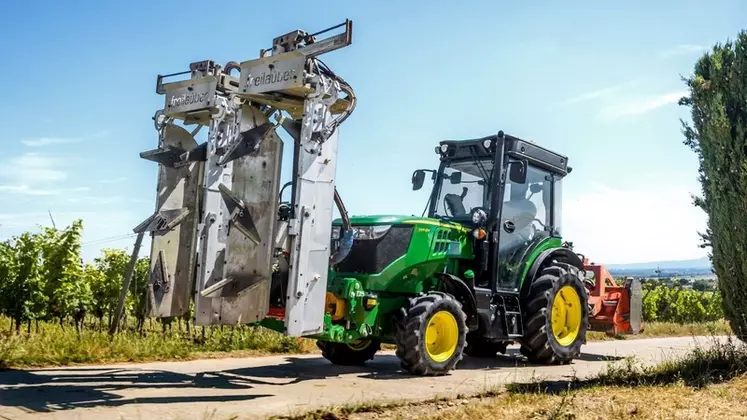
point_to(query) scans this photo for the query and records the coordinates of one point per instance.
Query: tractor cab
(507, 191)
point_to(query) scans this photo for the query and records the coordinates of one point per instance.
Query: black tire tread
(411, 327)
(341, 354)
(538, 344)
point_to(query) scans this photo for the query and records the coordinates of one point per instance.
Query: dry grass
(669, 329)
(727, 400)
(707, 383)
(724, 401)
(57, 346)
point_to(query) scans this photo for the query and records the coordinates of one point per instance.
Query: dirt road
(258, 387)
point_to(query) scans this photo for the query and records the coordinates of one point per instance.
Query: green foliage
(42, 276)
(68, 292)
(718, 135)
(23, 286)
(106, 288)
(676, 304)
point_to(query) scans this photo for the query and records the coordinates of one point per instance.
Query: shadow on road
(49, 390)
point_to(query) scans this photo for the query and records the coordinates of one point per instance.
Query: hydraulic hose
(346, 233)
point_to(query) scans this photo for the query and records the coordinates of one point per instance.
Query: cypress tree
(718, 135)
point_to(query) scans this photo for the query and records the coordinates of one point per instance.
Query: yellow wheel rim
(566, 316)
(441, 336)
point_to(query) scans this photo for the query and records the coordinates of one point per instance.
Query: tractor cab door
(526, 220)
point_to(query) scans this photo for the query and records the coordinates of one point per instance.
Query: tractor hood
(390, 219)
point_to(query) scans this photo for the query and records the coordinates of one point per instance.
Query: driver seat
(455, 203)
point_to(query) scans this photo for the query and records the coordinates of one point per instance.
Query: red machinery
(613, 308)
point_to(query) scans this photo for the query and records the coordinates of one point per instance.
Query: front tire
(432, 334)
(349, 354)
(555, 316)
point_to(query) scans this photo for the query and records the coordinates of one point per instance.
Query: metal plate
(172, 252)
(272, 74)
(190, 96)
(310, 248)
(256, 179)
(227, 252)
(635, 291)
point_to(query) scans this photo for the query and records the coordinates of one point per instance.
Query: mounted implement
(484, 268)
(613, 308)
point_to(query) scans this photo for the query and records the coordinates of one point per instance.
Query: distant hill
(696, 264)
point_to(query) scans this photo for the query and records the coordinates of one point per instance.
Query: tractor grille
(372, 256)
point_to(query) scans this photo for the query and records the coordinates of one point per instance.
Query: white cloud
(47, 141)
(683, 49)
(32, 168)
(634, 225)
(50, 141)
(113, 181)
(26, 190)
(94, 200)
(597, 94)
(623, 108)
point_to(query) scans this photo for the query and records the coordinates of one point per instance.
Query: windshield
(464, 186)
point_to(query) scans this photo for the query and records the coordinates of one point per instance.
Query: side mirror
(535, 188)
(455, 178)
(418, 177)
(517, 172)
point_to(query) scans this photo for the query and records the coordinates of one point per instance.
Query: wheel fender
(459, 289)
(565, 254)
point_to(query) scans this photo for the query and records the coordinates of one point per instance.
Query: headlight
(363, 232)
(371, 232)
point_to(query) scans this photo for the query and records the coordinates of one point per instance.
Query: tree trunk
(28, 327)
(37, 326)
(18, 326)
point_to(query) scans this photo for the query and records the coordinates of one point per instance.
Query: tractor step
(511, 309)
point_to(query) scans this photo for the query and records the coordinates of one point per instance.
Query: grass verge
(669, 329)
(709, 382)
(53, 345)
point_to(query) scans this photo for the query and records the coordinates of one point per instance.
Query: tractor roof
(515, 147)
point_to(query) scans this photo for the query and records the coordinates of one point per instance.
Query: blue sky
(598, 83)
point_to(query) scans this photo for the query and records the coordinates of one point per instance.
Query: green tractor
(487, 267)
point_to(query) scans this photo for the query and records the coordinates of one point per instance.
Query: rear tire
(350, 354)
(431, 335)
(555, 316)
